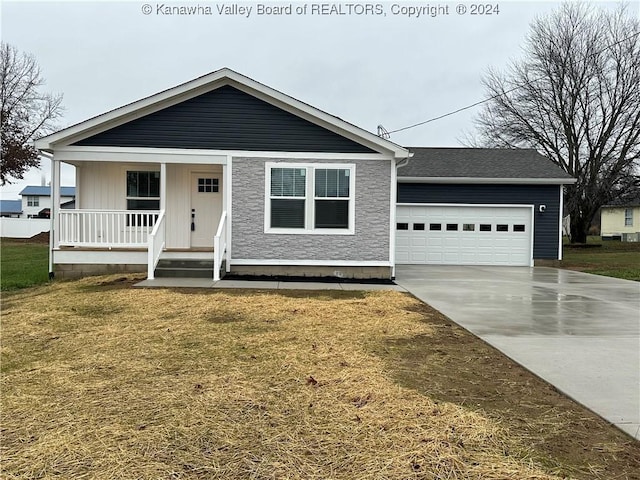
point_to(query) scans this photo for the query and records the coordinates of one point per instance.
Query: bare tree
(25, 112)
(575, 96)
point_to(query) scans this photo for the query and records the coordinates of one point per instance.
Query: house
(227, 171)
(10, 208)
(620, 220)
(476, 206)
(36, 200)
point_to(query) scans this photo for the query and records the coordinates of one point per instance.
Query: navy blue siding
(225, 119)
(546, 225)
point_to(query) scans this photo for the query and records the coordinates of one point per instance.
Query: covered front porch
(138, 208)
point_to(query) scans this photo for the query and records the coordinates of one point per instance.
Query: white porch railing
(156, 245)
(219, 246)
(106, 228)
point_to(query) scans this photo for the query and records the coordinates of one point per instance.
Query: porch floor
(268, 285)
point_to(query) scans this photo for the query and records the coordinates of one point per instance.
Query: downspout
(403, 161)
(392, 217)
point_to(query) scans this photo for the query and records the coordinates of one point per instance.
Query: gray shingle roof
(630, 200)
(481, 163)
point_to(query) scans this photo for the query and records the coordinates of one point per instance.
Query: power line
(498, 94)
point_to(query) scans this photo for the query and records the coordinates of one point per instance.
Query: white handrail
(106, 228)
(219, 246)
(156, 245)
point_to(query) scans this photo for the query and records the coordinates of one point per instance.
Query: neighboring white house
(621, 220)
(30, 216)
(36, 200)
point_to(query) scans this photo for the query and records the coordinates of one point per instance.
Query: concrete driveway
(579, 332)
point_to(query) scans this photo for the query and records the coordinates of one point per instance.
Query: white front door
(464, 235)
(206, 208)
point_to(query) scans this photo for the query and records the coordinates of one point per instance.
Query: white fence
(23, 227)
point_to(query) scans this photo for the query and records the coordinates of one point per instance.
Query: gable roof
(630, 200)
(208, 83)
(225, 119)
(478, 165)
(10, 206)
(45, 191)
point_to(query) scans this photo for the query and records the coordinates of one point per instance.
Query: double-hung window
(33, 201)
(628, 217)
(309, 198)
(143, 193)
(143, 190)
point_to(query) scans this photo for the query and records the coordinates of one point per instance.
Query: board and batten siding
(546, 225)
(102, 186)
(225, 119)
(370, 241)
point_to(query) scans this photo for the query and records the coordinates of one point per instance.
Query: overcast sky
(387, 69)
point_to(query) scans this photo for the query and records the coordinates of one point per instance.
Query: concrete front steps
(184, 268)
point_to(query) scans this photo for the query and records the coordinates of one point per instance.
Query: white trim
(163, 187)
(76, 256)
(75, 153)
(227, 180)
(53, 212)
(78, 198)
(561, 215)
(492, 205)
(315, 231)
(139, 155)
(506, 181)
(336, 263)
(392, 217)
(303, 155)
(55, 202)
(208, 83)
(310, 198)
(533, 229)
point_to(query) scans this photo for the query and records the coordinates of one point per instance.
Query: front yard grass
(610, 258)
(23, 264)
(100, 380)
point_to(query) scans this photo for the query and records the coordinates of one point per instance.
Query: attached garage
(464, 235)
(461, 206)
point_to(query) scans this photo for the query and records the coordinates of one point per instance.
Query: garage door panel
(435, 242)
(468, 235)
(402, 241)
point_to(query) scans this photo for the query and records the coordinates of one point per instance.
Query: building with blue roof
(36, 200)
(11, 208)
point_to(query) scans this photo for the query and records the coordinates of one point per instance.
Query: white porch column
(55, 202)
(163, 186)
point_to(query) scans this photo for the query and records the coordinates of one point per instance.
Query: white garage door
(464, 235)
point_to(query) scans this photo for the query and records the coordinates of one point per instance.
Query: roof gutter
(488, 180)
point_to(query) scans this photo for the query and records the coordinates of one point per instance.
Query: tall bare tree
(25, 112)
(574, 96)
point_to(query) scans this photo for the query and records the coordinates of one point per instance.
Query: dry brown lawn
(101, 380)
